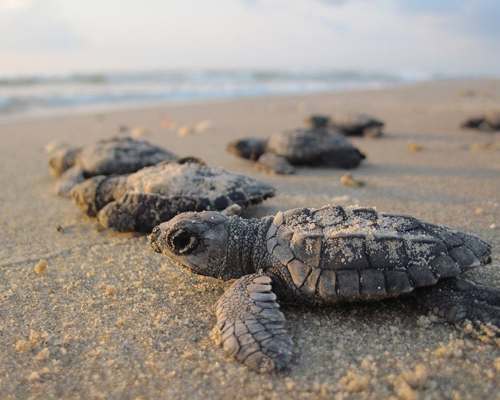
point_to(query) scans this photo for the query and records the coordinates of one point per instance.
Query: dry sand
(103, 316)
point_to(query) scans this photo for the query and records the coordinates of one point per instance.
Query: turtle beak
(154, 239)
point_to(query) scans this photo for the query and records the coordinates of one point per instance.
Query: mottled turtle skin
(117, 155)
(320, 257)
(138, 202)
(489, 122)
(312, 147)
(349, 124)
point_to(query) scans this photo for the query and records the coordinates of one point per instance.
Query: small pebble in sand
(354, 382)
(493, 226)
(414, 147)
(43, 355)
(479, 211)
(203, 126)
(110, 290)
(41, 267)
(184, 130)
(167, 123)
(139, 132)
(37, 375)
(23, 346)
(348, 180)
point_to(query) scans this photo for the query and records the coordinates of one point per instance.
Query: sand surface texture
(89, 313)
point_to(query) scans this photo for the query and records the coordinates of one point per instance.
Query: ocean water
(51, 94)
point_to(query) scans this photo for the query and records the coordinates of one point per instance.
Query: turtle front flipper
(271, 162)
(68, 180)
(251, 326)
(141, 212)
(62, 160)
(462, 302)
(91, 195)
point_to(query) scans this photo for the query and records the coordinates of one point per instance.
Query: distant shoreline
(46, 95)
(14, 116)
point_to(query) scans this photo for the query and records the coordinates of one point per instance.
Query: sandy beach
(108, 318)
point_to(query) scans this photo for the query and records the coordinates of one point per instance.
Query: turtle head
(197, 241)
(250, 148)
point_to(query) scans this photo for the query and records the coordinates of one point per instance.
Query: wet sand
(107, 317)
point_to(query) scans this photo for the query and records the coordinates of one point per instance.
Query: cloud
(385, 35)
(34, 26)
(473, 17)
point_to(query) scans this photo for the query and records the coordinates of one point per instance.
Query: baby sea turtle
(117, 155)
(138, 202)
(314, 147)
(488, 122)
(320, 257)
(349, 124)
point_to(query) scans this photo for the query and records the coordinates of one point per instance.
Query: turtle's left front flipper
(251, 326)
(461, 301)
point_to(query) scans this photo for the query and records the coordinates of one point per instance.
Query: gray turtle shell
(339, 253)
(308, 146)
(487, 122)
(213, 186)
(117, 155)
(120, 156)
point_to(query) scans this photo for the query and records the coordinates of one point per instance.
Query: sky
(86, 36)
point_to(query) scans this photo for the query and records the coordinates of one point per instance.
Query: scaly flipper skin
(251, 326)
(138, 212)
(461, 301)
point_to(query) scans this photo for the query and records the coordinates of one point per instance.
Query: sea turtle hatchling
(313, 147)
(117, 155)
(138, 202)
(320, 257)
(349, 124)
(488, 122)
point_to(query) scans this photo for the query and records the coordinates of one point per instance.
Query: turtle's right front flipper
(251, 326)
(91, 195)
(68, 180)
(141, 212)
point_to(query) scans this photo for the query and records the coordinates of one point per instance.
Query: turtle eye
(183, 242)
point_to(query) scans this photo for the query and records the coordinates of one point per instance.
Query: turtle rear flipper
(141, 212)
(460, 302)
(251, 327)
